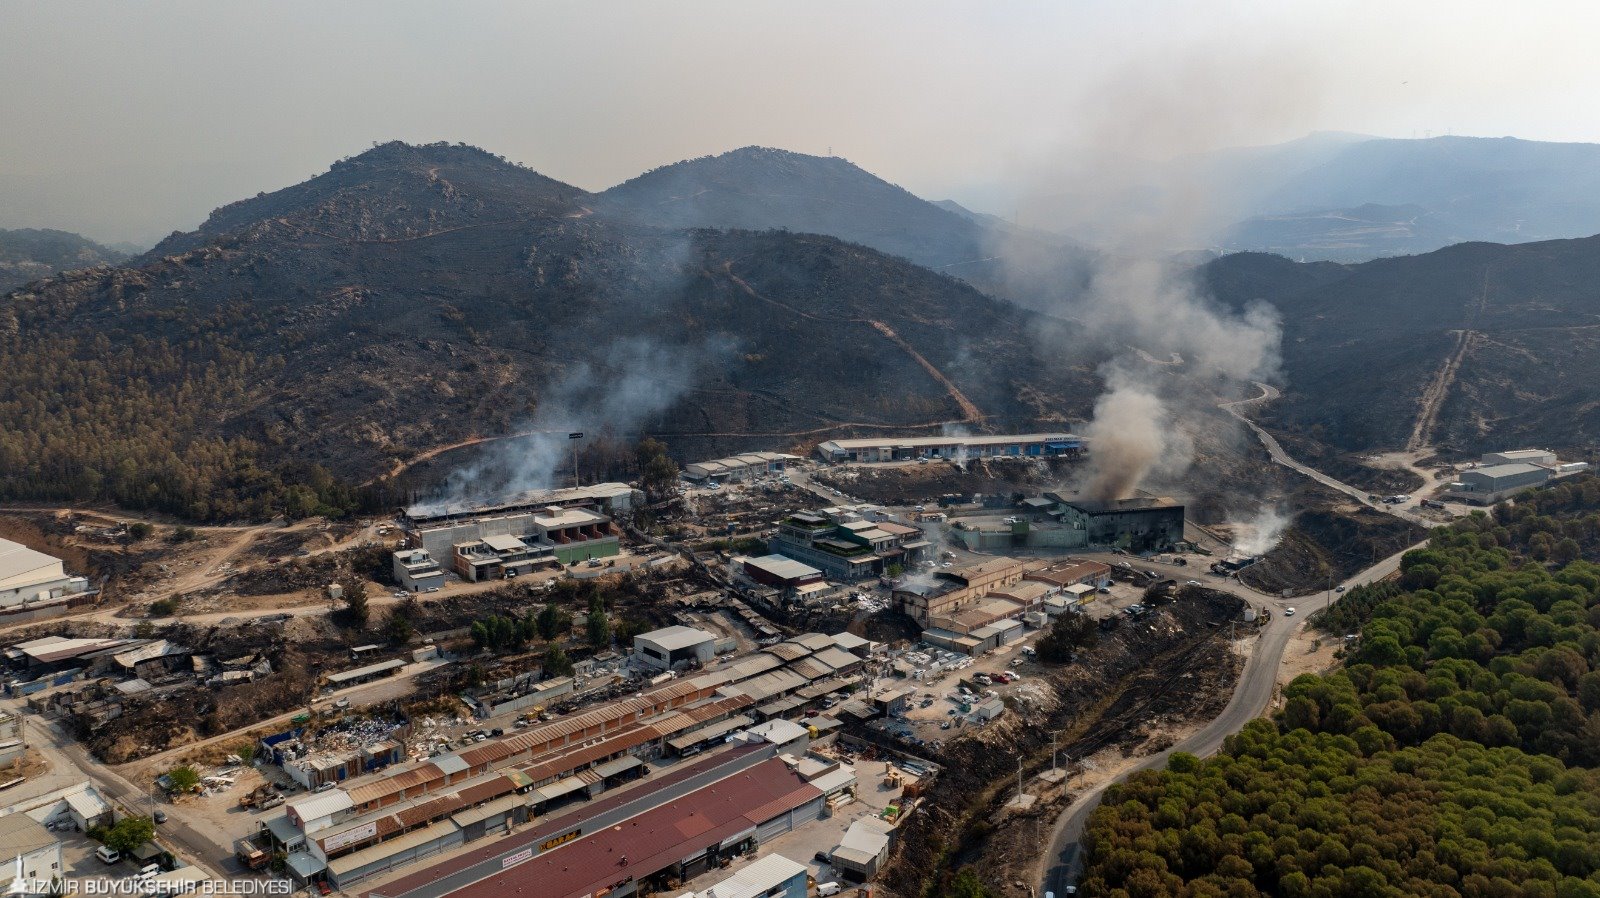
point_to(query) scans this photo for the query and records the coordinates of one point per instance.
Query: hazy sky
(127, 120)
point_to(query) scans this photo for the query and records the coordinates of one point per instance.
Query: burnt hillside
(372, 314)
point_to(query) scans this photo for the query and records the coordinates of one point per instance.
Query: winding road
(1252, 695)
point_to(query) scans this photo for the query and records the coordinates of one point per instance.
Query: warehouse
(623, 849)
(1519, 457)
(1488, 485)
(738, 467)
(674, 646)
(574, 522)
(951, 448)
(780, 572)
(1146, 523)
(951, 591)
(864, 848)
(29, 578)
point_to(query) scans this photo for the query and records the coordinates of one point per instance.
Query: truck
(261, 797)
(251, 854)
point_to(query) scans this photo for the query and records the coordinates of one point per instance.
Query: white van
(149, 870)
(827, 888)
(107, 855)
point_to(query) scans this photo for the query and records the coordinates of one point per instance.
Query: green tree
(129, 833)
(556, 662)
(397, 627)
(597, 625)
(140, 530)
(183, 778)
(356, 610)
(552, 621)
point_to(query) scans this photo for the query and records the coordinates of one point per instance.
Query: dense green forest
(1456, 754)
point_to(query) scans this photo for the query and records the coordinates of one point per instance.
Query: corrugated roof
(653, 840)
(676, 637)
(813, 641)
(20, 833)
(836, 658)
(788, 651)
(320, 804)
(17, 560)
(811, 669)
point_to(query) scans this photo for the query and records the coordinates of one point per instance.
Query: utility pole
(573, 438)
(1053, 756)
(1019, 778)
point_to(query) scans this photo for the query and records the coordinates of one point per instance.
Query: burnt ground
(114, 563)
(1348, 467)
(918, 484)
(1333, 538)
(1125, 694)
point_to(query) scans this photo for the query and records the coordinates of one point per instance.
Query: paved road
(1279, 456)
(70, 764)
(1252, 694)
(462, 871)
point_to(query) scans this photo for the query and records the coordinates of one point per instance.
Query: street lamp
(573, 438)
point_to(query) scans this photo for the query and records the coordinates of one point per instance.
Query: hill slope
(409, 299)
(27, 254)
(1362, 342)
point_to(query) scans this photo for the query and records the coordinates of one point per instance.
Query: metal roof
(345, 676)
(836, 658)
(18, 561)
(560, 787)
(651, 841)
(813, 641)
(677, 637)
(786, 568)
(757, 879)
(504, 543)
(21, 834)
(966, 440)
(321, 804)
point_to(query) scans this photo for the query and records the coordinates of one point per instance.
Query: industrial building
(674, 647)
(1141, 524)
(573, 523)
(1506, 473)
(417, 571)
(773, 876)
(949, 592)
(863, 849)
(32, 854)
(372, 823)
(738, 467)
(951, 448)
(843, 545)
(31, 580)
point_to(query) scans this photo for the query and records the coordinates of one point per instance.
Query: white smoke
(1260, 533)
(615, 394)
(1165, 349)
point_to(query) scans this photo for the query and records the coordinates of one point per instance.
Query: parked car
(1288, 612)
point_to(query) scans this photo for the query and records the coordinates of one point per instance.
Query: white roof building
(29, 576)
(757, 880)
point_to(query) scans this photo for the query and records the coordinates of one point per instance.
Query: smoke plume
(1129, 178)
(1260, 533)
(617, 393)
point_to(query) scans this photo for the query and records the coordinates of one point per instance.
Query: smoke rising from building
(617, 393)
(1165, 350)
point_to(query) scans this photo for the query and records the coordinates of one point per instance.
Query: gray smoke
(1260, 533)
(1128, 178)
(614, 394)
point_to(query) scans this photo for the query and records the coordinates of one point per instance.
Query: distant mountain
(1343, 197)
(413, 297)
(1363, 342)
(27, 254)
(758, 188)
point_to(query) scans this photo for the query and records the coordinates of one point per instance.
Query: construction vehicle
(261, 797)
(250, 854)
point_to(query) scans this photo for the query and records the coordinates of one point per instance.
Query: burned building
(1142, 524)
(523, 532)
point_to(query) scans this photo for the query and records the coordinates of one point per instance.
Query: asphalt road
(71, 764)
(1279, 456)
(1251, 695)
